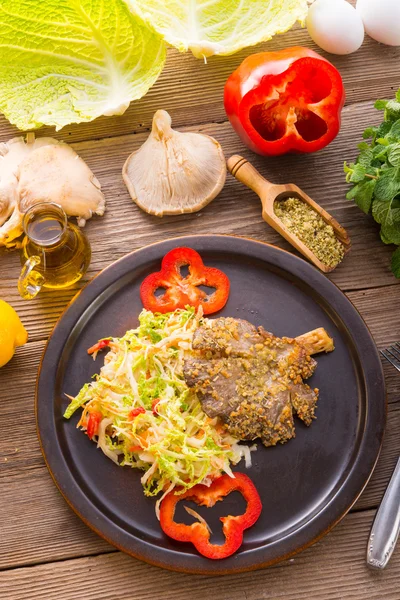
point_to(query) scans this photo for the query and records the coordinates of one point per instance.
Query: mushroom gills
(174, 172)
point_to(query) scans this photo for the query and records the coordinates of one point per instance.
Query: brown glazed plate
(306, 485)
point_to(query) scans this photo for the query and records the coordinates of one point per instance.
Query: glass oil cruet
(55, 253)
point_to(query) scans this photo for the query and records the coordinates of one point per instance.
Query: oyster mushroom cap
(48, 170)
(174, 172)
(12, 153)
(57, 174)
(10, 216)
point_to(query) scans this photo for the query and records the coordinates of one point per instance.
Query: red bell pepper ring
(198, 533)
(286, 101)
(182, 291)
(93, 423)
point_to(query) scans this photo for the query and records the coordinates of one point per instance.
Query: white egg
(381, 20)
(335, 26)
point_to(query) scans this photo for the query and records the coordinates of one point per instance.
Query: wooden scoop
(270, 192)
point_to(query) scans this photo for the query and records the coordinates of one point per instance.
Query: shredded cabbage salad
(150, 419)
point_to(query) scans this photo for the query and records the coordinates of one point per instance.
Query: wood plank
(40, 526)
(334, 569)
(367, 75)
(376, 308)
(373, 493)
(237, 211)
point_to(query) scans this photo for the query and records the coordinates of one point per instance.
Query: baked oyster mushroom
(174, 172)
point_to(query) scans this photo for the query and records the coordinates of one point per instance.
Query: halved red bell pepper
(182, 291)
(198, 533)
(286, 101)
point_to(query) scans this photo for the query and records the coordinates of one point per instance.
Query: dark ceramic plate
(306, 485)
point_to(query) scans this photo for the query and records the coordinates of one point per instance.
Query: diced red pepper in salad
(154, 403)
(135, 412)
(93, 423)
(179, 291)
(99, 346)
(286, 101)
(198, 533)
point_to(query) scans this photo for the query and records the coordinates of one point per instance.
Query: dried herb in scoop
(376, 175)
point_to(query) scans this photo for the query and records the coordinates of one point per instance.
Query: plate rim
(218, 567)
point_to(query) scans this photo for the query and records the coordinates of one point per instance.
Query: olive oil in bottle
(55, 253)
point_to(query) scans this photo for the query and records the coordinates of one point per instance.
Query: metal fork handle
(386, 527)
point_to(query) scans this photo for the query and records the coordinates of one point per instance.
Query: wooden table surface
(46, 552)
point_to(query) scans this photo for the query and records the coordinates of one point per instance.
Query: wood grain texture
(333, 569)
(45, 550)
(237, 210)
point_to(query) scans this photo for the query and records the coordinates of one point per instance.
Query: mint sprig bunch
(376, 175)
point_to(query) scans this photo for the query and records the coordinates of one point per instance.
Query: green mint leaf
(379, 153)
(348, 169)
(387, 186)
(394, 133)
(381, 104)
(394, 155)
(392, 111)
(376, 175)
(384, 213)
(366, 156)
(358, 174)
(362, 194)
(369, 132)
(386, 207)
(390, 234)
(395, 264)
(383, 129)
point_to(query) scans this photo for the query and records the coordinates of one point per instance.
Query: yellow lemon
(12, 332)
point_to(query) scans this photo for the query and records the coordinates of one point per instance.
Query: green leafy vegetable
(208, 27)
(68, 61)
(376, 175)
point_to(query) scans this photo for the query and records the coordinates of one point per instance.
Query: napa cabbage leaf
(68, 61)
